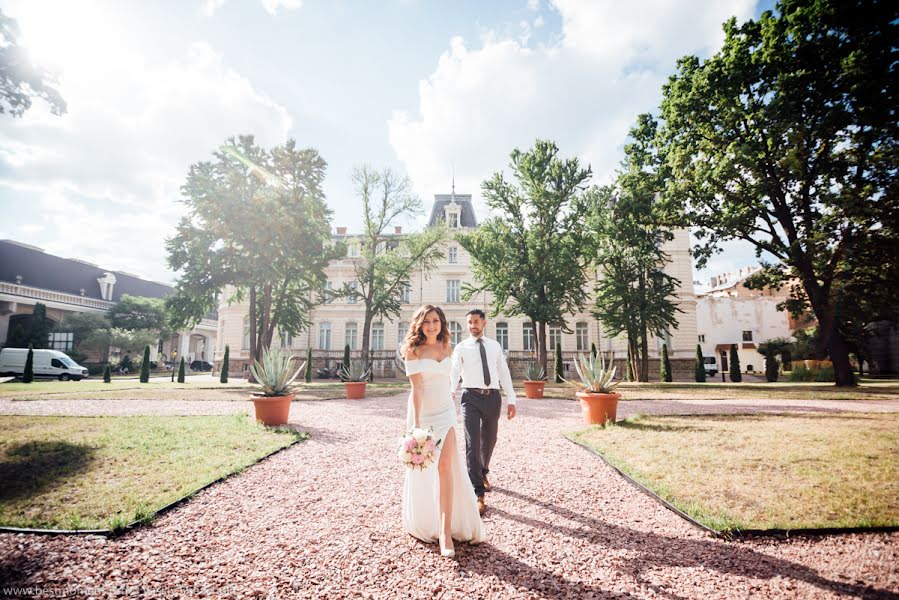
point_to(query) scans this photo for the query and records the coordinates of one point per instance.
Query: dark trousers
(480, 414)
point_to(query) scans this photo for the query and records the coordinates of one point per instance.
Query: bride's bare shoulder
(409, 353)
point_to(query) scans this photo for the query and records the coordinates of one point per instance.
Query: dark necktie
(484, 362)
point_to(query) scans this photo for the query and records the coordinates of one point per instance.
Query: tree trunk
(251, 333)
(644, 357)
(541, 344)
(830, 337)
(366, 333)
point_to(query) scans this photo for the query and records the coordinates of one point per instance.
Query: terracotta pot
(598, 408)
(272, 410)
(533, 389)
(355, 390)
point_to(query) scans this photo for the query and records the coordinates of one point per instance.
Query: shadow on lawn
(658, 550)
(31, 467)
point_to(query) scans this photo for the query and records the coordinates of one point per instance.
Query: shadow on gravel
(661, 551)
(32, 467)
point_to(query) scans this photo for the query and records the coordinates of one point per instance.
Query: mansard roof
(68, 275)
(467, 218)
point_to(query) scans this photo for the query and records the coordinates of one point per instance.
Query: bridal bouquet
(418, 448)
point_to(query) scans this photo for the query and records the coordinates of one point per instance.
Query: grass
(763, 471)
(105, 472)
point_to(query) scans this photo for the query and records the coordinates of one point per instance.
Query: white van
(47, 363)
(711, 365)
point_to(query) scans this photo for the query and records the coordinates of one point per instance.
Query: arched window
(455, 333)
(324, 336)
(377, 336)
(351, 335)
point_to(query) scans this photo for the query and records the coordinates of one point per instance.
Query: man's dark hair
(478, 312)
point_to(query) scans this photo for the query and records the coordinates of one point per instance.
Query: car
(200, 365)
(45, 363)
(711, 365)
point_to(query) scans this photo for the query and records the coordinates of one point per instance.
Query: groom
(483, 368)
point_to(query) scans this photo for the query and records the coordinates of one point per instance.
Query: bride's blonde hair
(416, 336)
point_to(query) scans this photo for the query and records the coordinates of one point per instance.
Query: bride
(438, 504)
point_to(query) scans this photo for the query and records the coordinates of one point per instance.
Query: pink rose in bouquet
(418, 448)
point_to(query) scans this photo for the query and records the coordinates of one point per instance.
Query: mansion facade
(338, 323)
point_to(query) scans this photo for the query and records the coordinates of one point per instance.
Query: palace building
(339, 322)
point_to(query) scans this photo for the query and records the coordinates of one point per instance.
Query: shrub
(771, 367)
(145, 366)
(307, 375)
(665, 365)
(699, 367)
(735, 375)
(593, 350)
(107, 374)
(557, 364)
(181, 371)
(223, 376)
(28, 375)
(346, 359)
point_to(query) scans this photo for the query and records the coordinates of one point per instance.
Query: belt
(482, 391)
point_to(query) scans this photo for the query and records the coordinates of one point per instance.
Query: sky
(428, 88)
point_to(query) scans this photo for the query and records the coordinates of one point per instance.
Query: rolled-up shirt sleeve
(505, 376)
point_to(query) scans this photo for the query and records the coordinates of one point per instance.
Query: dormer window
(106, 283)
(453, 213)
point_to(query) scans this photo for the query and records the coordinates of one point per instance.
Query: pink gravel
(322, 519)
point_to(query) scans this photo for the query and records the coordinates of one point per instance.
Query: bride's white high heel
(444, 551)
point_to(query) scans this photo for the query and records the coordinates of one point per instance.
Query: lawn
(105, 472)
(763, 471)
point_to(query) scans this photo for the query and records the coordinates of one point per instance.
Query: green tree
(107, 374)
(386, 261)
(699, 366)
(735, 375)
(39, 334)
(557, 364)
(531, 255)
(145, 366)
(634, 295)
(139, 312)
(181, 369)
(665, 366)
(91, 335)
(28, 375)
(787, 138)
(133, 340)
(21, 79)
(223, 376)
(257, 228)
(307, 375)
(771, 370)
(346, 357)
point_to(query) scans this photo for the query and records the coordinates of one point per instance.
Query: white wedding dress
(421, 494)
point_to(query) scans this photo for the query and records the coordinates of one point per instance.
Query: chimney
(714, 281)
(398, 230)
(341, 231)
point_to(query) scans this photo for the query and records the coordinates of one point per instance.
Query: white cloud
(106, 175)
(270, 6)
(583, 92)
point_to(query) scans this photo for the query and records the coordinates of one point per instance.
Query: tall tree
(634, 294)
(139, 312)
(736, 374)
(258, 226)
(787, 138)
(699, 366)
(386, 261)
(21, 79)
(223, 376)
(665, 366)
(145, 366)
(91, 333)
(531, 255)
(28, 374)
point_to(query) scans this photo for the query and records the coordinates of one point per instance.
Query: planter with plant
(598, 402)
(535, 380)
(275, 375)
(354, 376)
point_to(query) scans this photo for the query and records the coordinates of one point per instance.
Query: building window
(455, 333)
(528, 341)
(405, 293)
(701, 338)
(329, 287)
(453, 255)
(377, 336)
(581, 337)
(402, 328)
(452, 290)
(351, 298)
(62, 341)
(245, 342)
(351, 335)
(286, 339)
(747, 336)
(555, 336)
(324, 336)
(354, 250)
(502, 336)
(452, 219)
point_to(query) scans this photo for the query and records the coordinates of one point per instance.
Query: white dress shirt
(467, 363)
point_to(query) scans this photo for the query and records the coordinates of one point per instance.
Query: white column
(184, 346)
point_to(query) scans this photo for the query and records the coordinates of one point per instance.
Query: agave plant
(275, 373)
(535, 372)
(355, 371)
(596, 377)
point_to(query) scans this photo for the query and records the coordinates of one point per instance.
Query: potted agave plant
(598, 402)
(275, 375)
(535, 379)
(355, 375)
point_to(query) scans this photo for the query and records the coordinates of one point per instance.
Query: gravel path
(322, 519)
